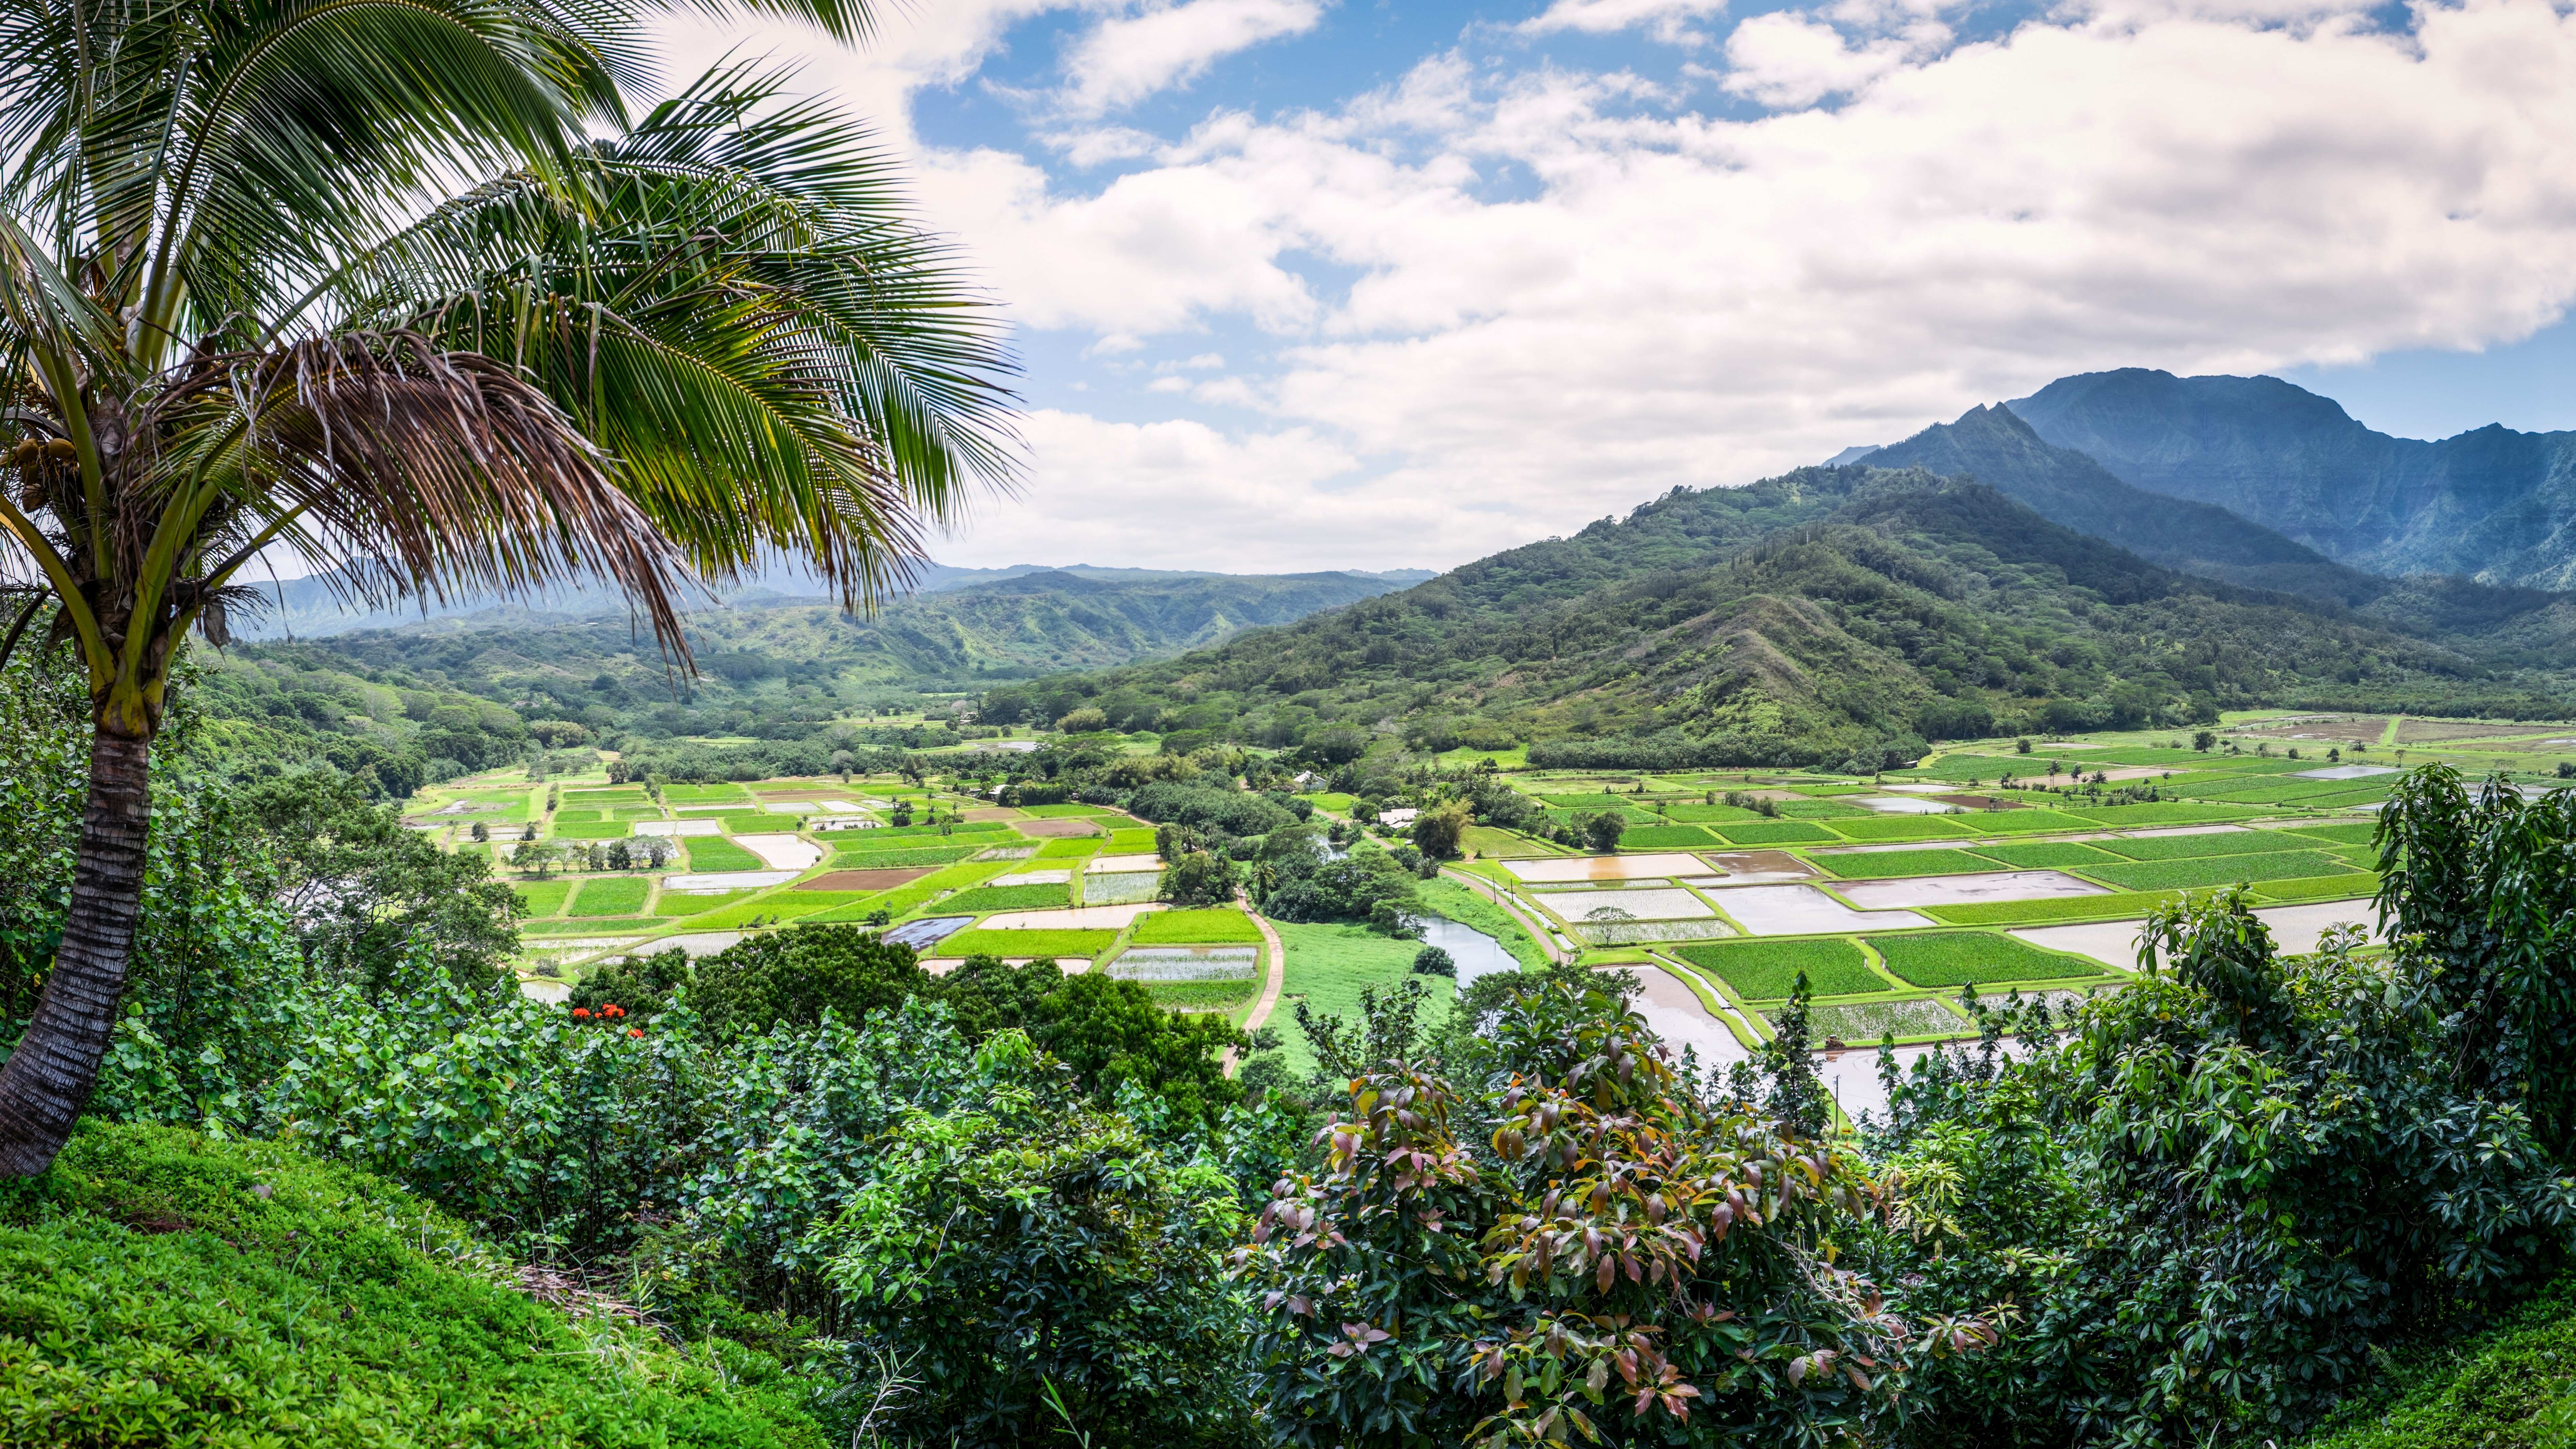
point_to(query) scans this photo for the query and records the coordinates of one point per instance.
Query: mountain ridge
(2492, 504)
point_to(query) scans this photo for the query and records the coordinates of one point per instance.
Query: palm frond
(732, 302)
(442, 471)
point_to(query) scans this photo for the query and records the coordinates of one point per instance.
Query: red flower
(634, 1031)
(581, 1013)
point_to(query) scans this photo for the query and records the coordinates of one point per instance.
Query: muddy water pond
(1760, 867)
(1962, 890)
(1800, 910)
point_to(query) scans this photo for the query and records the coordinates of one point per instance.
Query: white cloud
(1784, 59)
(1181, 494)
(1668, 297)
(1126, 59)
(1665, 18)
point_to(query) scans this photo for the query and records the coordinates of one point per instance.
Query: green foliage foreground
(159, 1288)
(2217, 1203)
(1007, 1206)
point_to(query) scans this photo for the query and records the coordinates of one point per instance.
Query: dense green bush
(1583, 1245)
(2221, 1200)
(1025, 1246)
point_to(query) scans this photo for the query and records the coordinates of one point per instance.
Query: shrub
(1419, 1287)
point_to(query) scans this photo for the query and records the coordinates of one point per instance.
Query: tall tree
(239, 315)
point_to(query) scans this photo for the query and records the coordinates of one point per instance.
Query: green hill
(1824, 613)
(158, 1288)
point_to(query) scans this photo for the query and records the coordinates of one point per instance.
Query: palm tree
(242, 313)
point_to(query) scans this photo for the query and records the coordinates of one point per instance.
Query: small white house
(1397, 819)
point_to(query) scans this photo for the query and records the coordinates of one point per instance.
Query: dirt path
(1537, 931)
(1270, 987)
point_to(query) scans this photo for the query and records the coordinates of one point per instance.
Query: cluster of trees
(280, 708)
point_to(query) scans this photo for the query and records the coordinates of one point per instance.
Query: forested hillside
(1828, 614)
(436, 698)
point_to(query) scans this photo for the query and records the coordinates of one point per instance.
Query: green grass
(544, 897)
(1195, 928)
(761, 824)
(152, 1297)
(1667, 837)
(958, 877)
(703, 794)
(1958, 958)
(1705, 814)
(2360, 884)
(986, 899)
(1904, 827)
(717, 854)
(1063, 945)
(2023, 822)
(2046, 854)
(1768, 970)
(1226, 996)
(1061, 812)
(2512, 1386)
(2157, 875)
(2163, 813)
(2193, 847)
(1486, 840)
(620, 895)
(534, 931)
(675, 904)
(2115, 906)
(1072, 849)
(908, 837)
(1458, 903)
(1328, 964)
(1889, 864)
(1129, 842)
(591, 830)
(896, 859)
(1773, 832)
(1824, 810)
(2359, 832)
(780, 905)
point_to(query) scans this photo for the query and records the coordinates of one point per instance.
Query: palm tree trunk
(48, 1078)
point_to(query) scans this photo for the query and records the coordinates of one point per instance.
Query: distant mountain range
(968, 629)
(2492, 505)
(315, 607)
(2117, 548)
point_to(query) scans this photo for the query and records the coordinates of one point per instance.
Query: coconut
(61, 450)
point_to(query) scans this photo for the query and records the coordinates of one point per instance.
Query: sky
(1311, 284)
